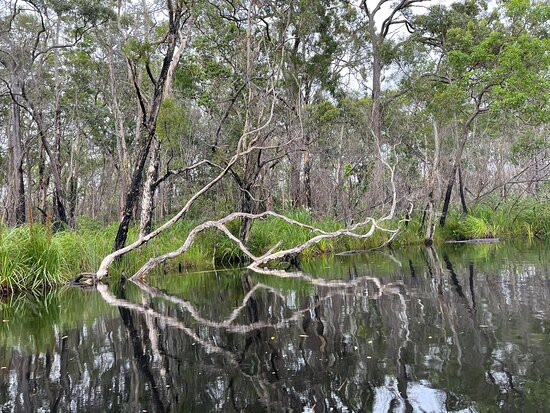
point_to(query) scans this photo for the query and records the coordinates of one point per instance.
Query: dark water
(462, 328)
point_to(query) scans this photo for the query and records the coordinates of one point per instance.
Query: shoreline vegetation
(34, 257)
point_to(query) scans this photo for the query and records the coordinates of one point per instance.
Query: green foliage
(172, 124)
(138, 50)
(500, 54)
(31, 258)
(82, 10)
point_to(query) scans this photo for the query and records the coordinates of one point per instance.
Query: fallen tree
(259, 110)
(273, 253)
(257, 262)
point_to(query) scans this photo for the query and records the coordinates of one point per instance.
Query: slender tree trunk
(307, 182)
(149, 188)
(295, 187)
(17, 167)
(184, 37)
(72, 183)
(462, 195)
(430, 209)
(307, 179)
(430, 215)
(58, 112)
(454, 169)
(60, 215)
(43, 181)
(378, 171)
(246, 200)
(376, 121)
(59, 207)
(149, 191)
(29, 188)
(122, 149)
(132, 196)
(337, 191)
(246, 206)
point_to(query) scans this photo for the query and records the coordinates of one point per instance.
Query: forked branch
(257, 262)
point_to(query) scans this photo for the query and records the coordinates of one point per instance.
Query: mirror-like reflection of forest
(460, 328)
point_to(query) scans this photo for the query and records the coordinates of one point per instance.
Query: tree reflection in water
(406, 331)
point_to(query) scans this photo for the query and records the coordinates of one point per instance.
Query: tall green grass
(527, 219)
(32, 258)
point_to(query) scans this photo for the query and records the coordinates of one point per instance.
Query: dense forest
(128, 118)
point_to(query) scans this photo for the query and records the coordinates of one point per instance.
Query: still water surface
(457, 329)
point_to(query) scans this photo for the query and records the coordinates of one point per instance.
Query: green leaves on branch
(497, 57)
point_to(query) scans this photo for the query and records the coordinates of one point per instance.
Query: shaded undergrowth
(32, 257)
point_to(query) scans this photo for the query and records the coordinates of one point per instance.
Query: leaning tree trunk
(151, 124)
(154, 159)
(448, 193)
(461, 190)
(132, 197)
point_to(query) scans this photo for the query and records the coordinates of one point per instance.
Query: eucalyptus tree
(140, 52)
(379, 30)
(375, 34)
(487, 60)
(316, 51)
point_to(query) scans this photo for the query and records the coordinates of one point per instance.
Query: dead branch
(275, 254)
(243, 147)
(270, 255)
(176, 172)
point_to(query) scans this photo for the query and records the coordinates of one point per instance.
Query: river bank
(33, 257)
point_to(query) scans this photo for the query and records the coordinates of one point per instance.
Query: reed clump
(527, 219)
